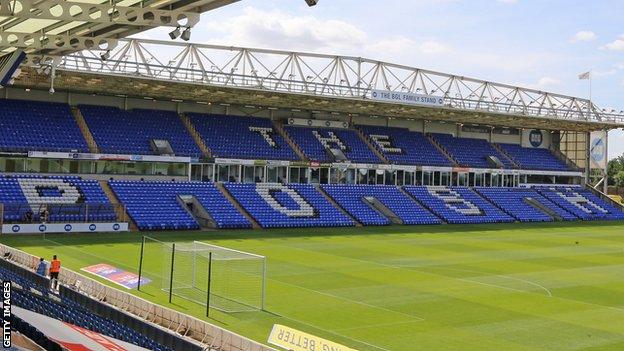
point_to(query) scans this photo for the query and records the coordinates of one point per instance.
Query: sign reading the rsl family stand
(406, 98)
(295, 340)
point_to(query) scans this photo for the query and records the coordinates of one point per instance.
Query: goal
(214, 276)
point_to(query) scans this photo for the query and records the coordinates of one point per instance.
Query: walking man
(42, 268)
(55, 268)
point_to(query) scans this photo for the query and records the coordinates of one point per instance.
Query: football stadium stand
(296, 205)
(458, 205)
(132, 131)
(377, 204)
(241, 137)
(316, 144)
(67, 199)
(534, 158)
(471, 152)
(38, 126)
(159, 206)
(525, 204)
(581, 202)
(402, 146)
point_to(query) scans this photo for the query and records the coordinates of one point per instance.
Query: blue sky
(542, 44)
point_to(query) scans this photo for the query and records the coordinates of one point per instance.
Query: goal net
(225, 279)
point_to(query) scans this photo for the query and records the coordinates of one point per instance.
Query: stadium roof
(272, 78)
(58, 27)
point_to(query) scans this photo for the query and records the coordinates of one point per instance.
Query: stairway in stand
(86, 132)
(370, 145)
(239, 208)
(280, 129)
(195, 135)
(120, 210)
(442, 150)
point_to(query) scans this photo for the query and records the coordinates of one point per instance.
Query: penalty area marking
(548, 292)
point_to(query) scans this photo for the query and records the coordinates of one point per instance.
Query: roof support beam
(62, 10)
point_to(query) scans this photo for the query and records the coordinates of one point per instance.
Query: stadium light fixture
(186, 35)
(105, 56)
(174, 34)
(311, 2)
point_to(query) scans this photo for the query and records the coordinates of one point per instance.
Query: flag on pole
(585, 75)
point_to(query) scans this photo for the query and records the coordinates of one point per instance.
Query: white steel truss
(97, 13)
(326, 75)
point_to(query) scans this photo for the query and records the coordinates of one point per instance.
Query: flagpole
(590, 93)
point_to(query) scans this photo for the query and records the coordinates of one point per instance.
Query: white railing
(326, 75)
(209, 336)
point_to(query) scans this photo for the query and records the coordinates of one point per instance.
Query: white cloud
(432, 47)
(583, 35)
(276, 29)
(616, 45)
(546, 82)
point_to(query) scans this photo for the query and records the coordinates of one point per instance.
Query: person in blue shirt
(41, 268)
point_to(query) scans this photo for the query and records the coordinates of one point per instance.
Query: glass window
(446, 178)
(294, 174)
(12, 165)
(315, 175)
(222, 173)
(272, 174)
(408, 179)
(390, 177)
(462, 179)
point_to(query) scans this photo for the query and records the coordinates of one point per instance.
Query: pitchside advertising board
(406, 98)
(64, 228)
(295, 340)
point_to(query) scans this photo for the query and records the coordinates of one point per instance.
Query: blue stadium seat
(581, 202)
(534, 158)
(130, 132)
(68, 199)
(39, 126)
(154, 205)
(351, 198)
(513, 201)
(308, 139)
(281, 206)
(241, 137)
(458, 205)
(470, 152)
(405, 147)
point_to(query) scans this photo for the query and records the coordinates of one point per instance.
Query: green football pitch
(557, 286)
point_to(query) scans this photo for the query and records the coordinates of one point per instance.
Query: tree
(619, 179)
(614, 167)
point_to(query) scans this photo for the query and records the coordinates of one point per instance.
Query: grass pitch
(488, 287)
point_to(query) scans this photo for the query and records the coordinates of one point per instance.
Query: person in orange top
(55, 268)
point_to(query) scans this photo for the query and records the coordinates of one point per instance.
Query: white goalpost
(214, 276)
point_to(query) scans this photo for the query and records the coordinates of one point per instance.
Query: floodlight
(311, 2)
(105, 56)
(174, 33)
(186, 35)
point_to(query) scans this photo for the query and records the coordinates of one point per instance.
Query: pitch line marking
(409, 268)
(378, 325)
(502, 276)
(337, 334)
(415, 318)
